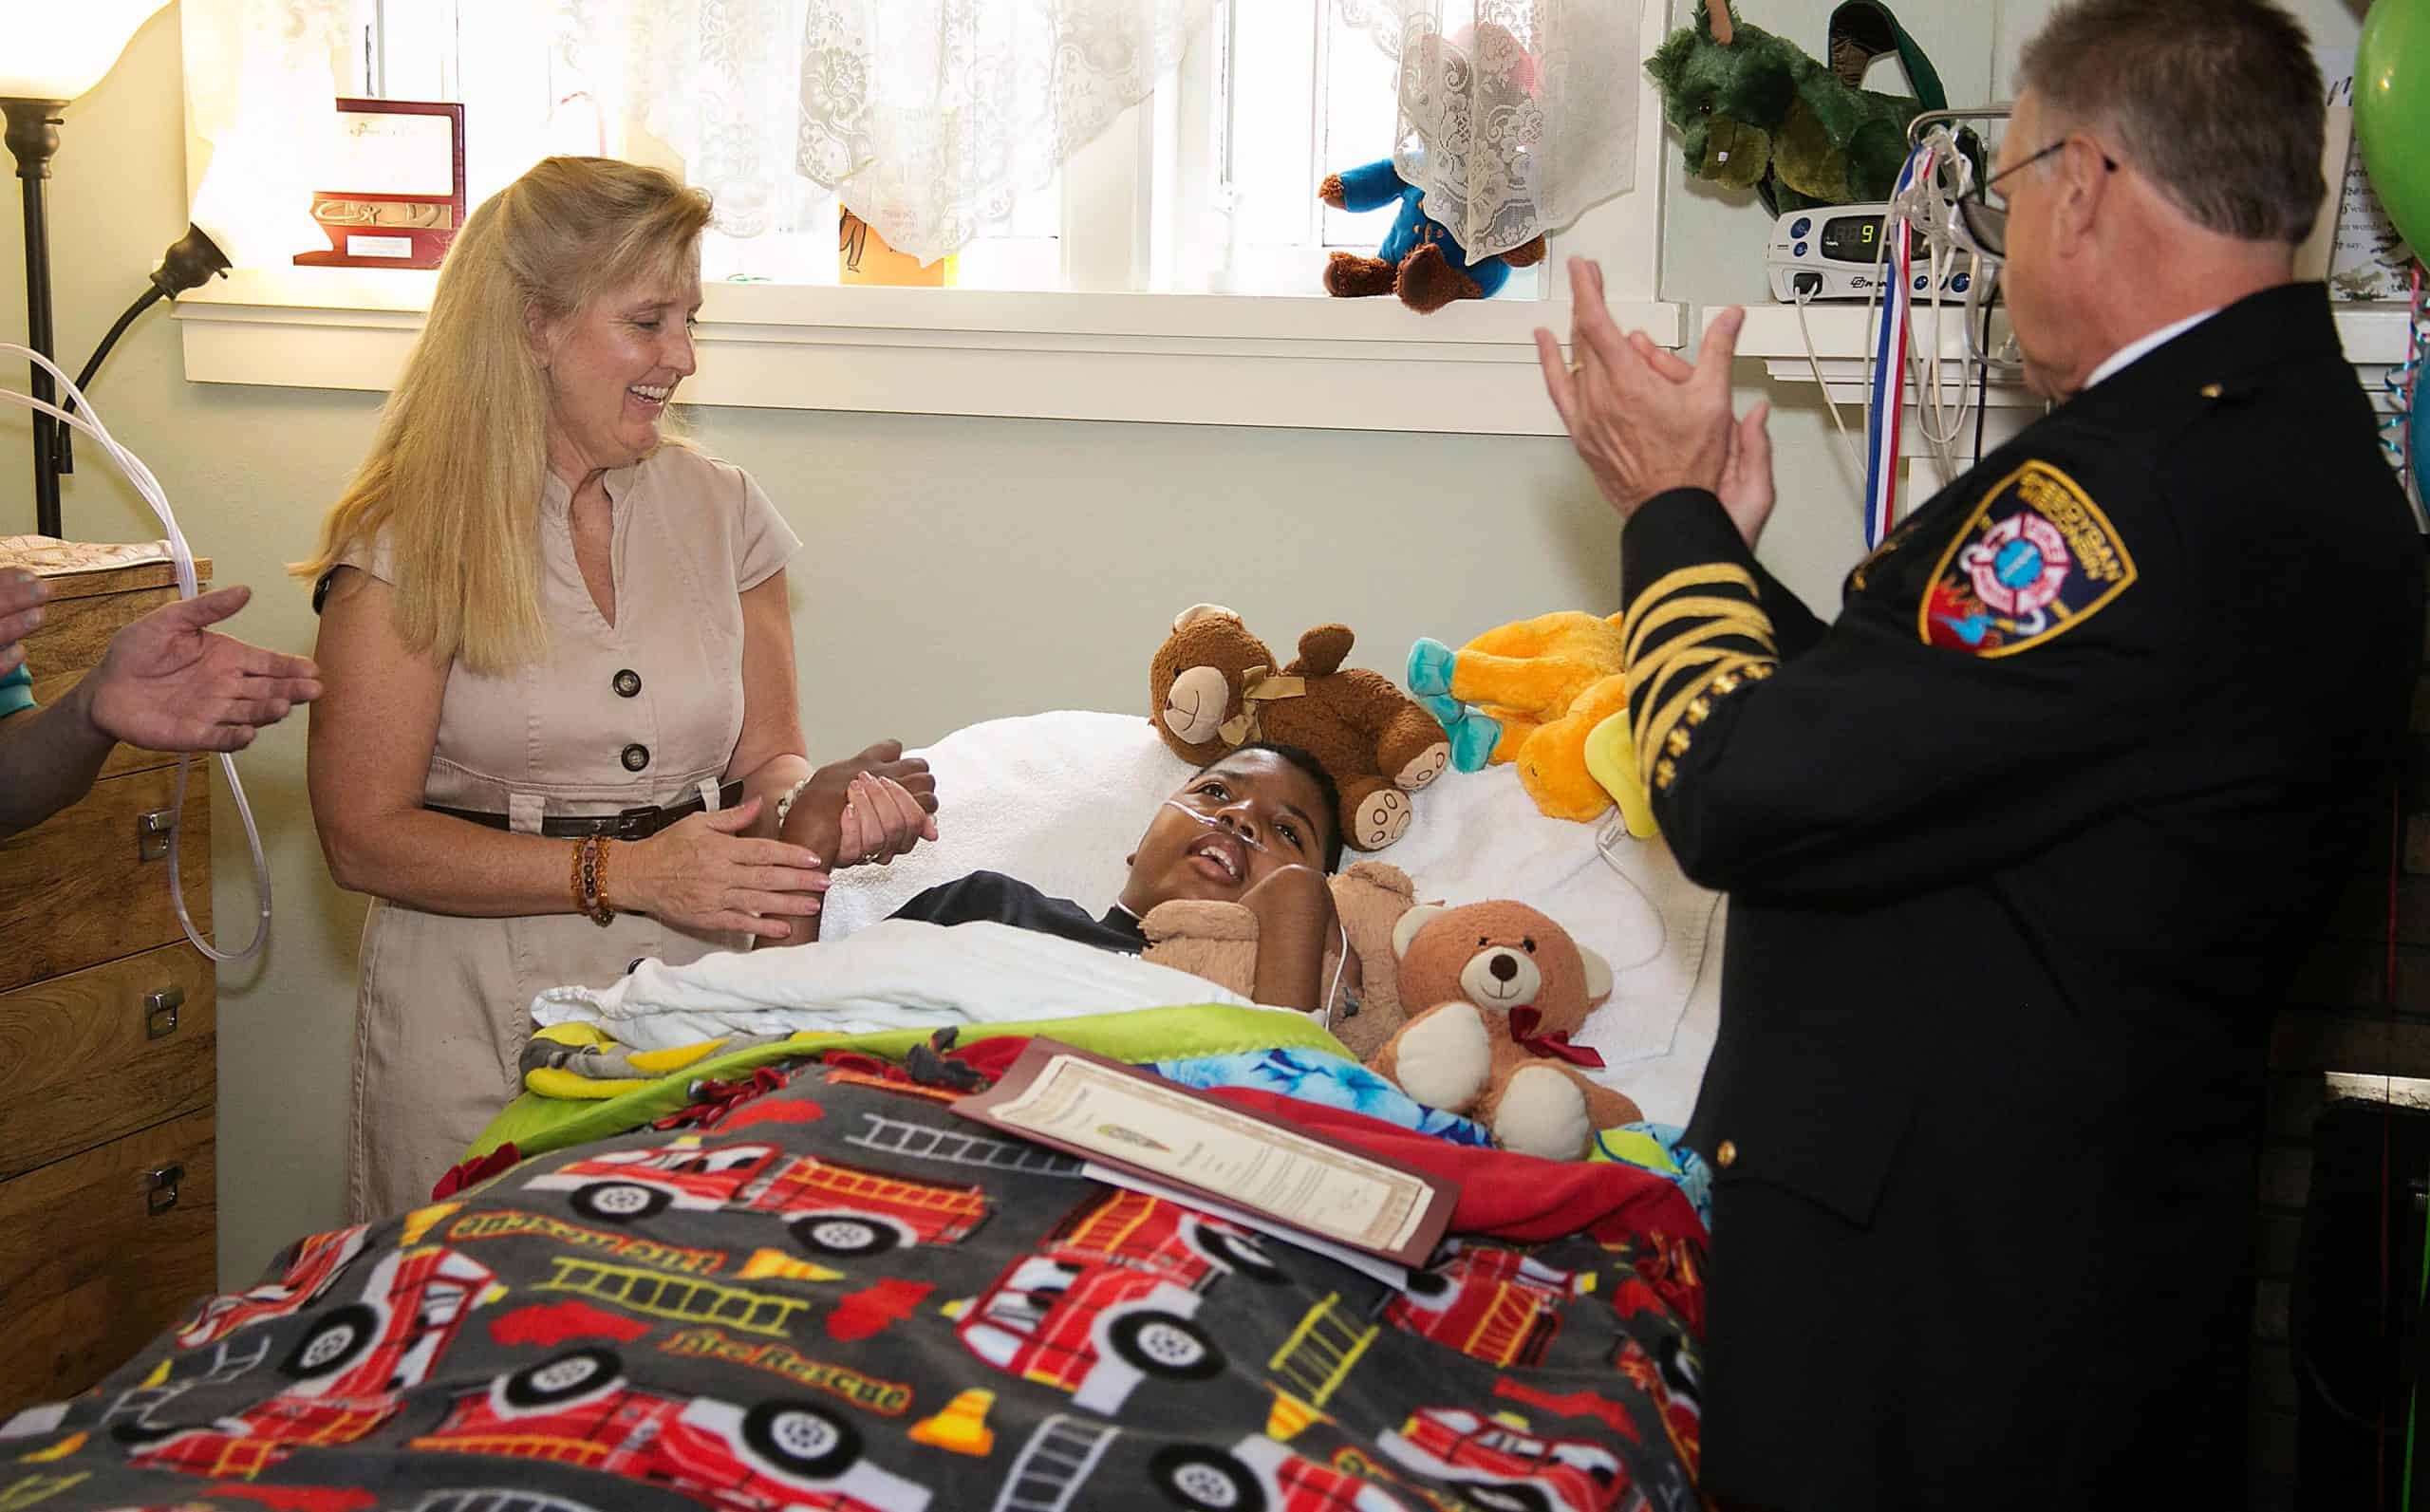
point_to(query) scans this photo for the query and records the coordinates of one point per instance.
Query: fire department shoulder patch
(2035, 558)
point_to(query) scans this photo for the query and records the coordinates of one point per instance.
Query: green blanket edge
(535, 1125)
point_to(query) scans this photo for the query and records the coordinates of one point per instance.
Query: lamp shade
(57, 52)
(254, 204)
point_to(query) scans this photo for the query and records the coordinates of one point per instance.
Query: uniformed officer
(2023, 847)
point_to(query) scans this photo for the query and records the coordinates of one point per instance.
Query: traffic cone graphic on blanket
(962, 1428)
(765, 1263)
(1288, 1416)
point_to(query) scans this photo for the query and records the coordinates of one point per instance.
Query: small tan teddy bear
(1218, 941)
(1494, 992)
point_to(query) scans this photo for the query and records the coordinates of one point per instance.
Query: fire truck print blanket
(839, 1296)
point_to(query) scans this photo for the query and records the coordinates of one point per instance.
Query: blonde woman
(559, 732)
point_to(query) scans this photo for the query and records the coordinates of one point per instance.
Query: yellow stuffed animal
(1549, 695)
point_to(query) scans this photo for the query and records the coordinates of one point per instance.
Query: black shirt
(990, 897)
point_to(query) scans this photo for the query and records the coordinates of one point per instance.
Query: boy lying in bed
(1254, 828)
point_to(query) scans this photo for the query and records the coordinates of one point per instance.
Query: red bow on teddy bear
(1553, 1044)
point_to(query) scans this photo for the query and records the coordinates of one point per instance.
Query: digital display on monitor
(1858, 239)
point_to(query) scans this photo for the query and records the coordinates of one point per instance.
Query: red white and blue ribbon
(1890, 359)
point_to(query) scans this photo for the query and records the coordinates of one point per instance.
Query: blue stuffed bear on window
(1420, 261)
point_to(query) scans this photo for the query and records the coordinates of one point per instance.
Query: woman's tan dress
(611, 717)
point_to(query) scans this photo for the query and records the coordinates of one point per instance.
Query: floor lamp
(66, 53)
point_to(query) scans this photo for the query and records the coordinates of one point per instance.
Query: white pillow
(1059, 800)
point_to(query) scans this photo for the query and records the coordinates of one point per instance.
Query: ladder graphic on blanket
(1313, 1363)
(231, 1359)
(896, 1136)
(680, 1297)
(1054, 1464)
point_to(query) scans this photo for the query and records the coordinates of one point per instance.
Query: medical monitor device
(1834, 252)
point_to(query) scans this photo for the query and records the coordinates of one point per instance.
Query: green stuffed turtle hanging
(1754, 110)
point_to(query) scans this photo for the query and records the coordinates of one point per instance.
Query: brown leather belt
(630, 824)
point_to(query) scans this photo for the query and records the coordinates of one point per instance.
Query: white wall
(957, 570)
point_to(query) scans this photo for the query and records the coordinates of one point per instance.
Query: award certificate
(1118, 1116)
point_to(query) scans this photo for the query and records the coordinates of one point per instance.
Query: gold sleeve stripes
(1695, 636)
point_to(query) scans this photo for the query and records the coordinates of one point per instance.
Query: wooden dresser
(109, 1063)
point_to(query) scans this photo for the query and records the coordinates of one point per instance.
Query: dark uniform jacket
(2018, 852)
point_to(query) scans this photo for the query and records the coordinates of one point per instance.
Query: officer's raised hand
(1640, 431)
(1745, 491)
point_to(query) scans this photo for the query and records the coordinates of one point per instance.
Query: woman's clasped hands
(705, 875)
(708, 873)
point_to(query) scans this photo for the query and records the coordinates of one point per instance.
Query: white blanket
(896, 975)
(1059, 800)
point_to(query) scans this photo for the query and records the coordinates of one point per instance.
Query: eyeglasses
(1984, 212)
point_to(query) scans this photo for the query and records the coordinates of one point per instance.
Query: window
(1209, 186)
(1169, 271)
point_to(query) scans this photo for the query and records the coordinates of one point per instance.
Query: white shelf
(2373, 333)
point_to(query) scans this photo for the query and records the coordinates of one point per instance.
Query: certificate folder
(1179, 1138)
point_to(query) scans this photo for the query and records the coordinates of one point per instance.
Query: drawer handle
(160, 1011)
(160, 1187)
(152, 834)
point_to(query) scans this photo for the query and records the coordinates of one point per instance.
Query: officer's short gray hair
(2217, 101)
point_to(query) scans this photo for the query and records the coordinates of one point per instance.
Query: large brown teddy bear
(1214, 687)
(1218, 941)
(1494, 990)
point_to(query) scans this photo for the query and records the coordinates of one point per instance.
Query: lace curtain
(712, 81)
(1517, 123)
(928, 118)
(708, 87)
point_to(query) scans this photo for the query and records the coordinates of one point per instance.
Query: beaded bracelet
(785, 802)
(589, 881)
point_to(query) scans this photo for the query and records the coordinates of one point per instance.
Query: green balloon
(2392, 112)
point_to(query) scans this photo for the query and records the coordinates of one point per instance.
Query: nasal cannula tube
(1324, 1013)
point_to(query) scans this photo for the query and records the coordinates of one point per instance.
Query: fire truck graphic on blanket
(316, 1265)
(1496, 1464)
(833, 1209)
(577, 1409)
(1260, 1472)
(1111, 1298)
(350, 1368)
(1257, 1472)
(1495, 1305)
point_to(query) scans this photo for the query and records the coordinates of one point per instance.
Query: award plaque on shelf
(403, 166)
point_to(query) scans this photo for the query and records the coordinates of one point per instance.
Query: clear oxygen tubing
(1341, 962)
(1934, 209)
(85, 418)
(1814, 360)
(1929, 206)
(1925, 204)
(1609, 841)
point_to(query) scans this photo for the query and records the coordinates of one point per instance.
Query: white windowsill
(1225, 360)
